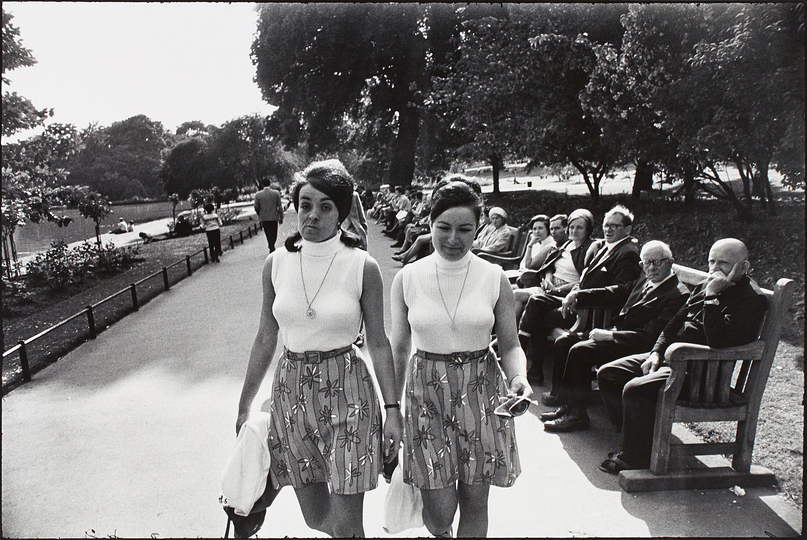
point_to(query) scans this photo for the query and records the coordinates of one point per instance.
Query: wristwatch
(711, 302)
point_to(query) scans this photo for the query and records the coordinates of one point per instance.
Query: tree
(18, 112)
(186, 167)
(358, 72)
(32, 183)
(753, 69)
(112, 157)
(94, 206)
(512, 94)
(237, 155)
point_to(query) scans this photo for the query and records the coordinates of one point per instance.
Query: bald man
(725, 310)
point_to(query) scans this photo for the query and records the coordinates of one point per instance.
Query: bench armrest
(690, 352)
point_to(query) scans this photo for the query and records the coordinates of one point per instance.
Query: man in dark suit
(725, 310)
(616, 263)
(646, 307)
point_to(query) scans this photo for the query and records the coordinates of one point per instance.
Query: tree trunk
(689, 185)
(642, 179)
(495, 163)
(402, 155)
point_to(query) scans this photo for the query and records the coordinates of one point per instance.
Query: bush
(61, 266)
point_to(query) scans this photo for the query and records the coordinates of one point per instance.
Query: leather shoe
(396, 245)
(554, 415)
(574, 420)
(550, 400)
(398, 258)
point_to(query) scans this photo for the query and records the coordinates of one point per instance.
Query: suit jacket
(619, 266)
(268, 205)
(643, 315)
(735, 320)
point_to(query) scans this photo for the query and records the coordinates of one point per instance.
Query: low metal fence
(87, 323)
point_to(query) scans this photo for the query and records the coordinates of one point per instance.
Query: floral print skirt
(450, 431)
(325, 423)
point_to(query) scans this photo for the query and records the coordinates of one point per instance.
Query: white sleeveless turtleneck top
(337, 306)
(428, 317)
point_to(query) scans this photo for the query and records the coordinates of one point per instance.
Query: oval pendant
(310, 313)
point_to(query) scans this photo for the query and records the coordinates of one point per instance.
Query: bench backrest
(733, 380)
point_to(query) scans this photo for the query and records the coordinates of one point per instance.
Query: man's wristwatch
(711, 302)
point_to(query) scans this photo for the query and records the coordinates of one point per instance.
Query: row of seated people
(652, 310)
(564, 268)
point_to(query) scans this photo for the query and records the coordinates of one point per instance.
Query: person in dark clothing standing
(725, 310)
(269, 208)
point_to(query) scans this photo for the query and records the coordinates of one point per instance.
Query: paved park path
(126, 436)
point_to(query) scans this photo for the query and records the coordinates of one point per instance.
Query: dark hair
(563, 218)
(457, 177)
(331, 178)
(543, 218)
(209, 208)
(454, 194)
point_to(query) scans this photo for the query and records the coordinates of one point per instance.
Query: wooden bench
(723, 385)
(511, 258)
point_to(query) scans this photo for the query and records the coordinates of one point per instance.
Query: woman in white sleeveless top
(326, 430)
(444, 308)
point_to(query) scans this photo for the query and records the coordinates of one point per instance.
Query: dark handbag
(528, 278)
(246, 526)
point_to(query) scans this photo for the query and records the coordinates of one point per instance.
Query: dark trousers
(542, 315)
(214, 242)
(630, 399)
(270, 230)
(573, 358)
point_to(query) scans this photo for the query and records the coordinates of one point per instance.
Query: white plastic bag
(244, 477)
(403, 508)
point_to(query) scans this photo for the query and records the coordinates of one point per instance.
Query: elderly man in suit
(645, 308)
(725, 310)
(616, 263)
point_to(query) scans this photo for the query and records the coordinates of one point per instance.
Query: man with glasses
(616, 263)
(647, 306)
(725, 310)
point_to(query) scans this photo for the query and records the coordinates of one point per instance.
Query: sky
(103, 62)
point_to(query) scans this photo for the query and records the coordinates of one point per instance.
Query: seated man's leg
(639, 399)
(541, 315)
(612, 378)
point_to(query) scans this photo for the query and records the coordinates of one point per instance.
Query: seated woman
(496, 236)
(561, 268)
(540, 245)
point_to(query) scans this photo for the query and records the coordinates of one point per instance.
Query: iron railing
(22, 348)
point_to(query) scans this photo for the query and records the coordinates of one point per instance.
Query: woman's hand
(520, 386)
(393, 433)
(240, 421)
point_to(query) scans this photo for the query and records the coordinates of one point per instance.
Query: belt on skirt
(315, 357)
(464, 356)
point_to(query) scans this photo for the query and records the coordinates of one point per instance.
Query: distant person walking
(211, 222)
(269, 208)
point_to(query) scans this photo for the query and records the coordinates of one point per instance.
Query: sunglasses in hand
(513, 406)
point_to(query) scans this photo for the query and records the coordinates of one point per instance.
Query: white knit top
(430, 317)
(337, 305)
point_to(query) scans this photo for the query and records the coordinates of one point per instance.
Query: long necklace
(445, 306)
(310, 313)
